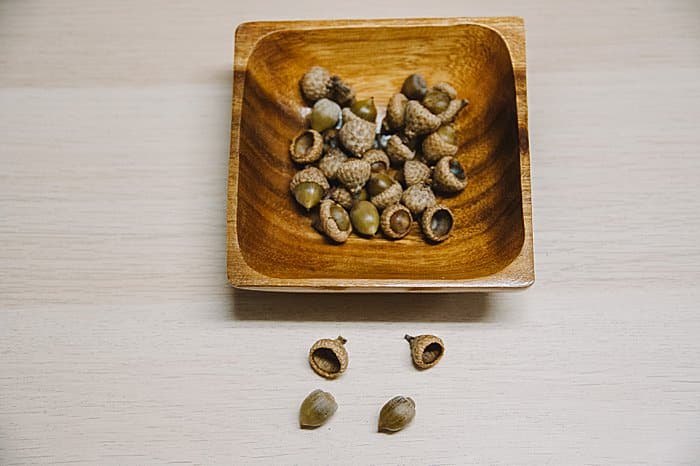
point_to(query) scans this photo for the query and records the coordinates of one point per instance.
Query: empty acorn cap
(389, 196)
(449, 176)
(396, 414)
(334, 221)
(453, 108)
(377, 159)
(331, 162)
(316, 409)
(315, 82)
(426, 350)
(328, 358)
(435, 146)
(356, 135)
(397, 151)
(415, 172)
(307, 146)
(437, 223)
(353, 174)
(396, 221)
(395, 112)
(418, 198)
(419, 120)
(342, 196)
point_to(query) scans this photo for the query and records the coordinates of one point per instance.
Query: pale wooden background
(121, 342)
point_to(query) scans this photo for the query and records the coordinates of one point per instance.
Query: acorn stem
(409, 338)
(341, 340)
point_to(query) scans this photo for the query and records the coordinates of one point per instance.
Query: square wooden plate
(271, 244)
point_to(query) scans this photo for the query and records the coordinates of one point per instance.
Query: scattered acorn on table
(358, 175)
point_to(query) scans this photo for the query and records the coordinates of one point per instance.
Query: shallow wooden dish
(271, 245)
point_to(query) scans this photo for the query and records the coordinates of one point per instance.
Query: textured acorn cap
(385, 221)
(446, 181)
(307, 146)
(377, 156)
(389, 196)
(395, 111)
(309, 174)
(446, 88)
(339, 91)
(418, 198)
(328, 358)
(331, 162)
(328, 223)
(415, 172)
(419, 120)
(397, 151)
(453, 108)
(435, 147)
(437, 223)
(426, 350)
(314, 84)
(316, 409)
(396, 414)
(342, 196)
(353, 174)
(356, 135)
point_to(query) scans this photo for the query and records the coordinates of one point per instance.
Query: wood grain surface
(121, 341)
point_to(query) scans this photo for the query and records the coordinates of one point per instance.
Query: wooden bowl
(271, 244)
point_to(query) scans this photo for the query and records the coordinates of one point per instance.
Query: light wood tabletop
(121, 341)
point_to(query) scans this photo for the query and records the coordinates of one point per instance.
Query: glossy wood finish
(271, 244)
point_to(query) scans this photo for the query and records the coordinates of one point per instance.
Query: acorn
(449, 176)
(353, 174)
(331, 162)
(440, 143)
(342, 196)
(395, 110)
(365, 109)
(324, 115)
(453, 108)
(414, 87)
(377, 159)
(316, 409)
(308, 186)
(339, 91)
(356, 135)
(383, 190)
(437, 223)
(396, 414)
(426, 350)
(415, 172)
(314, 84)
(446, 88)
(334, 221)
(397, 151)
(396, 221)
(436, 100)
(418, 198)
(419, 120)
(307, 146)
(365, 218)
(328, 358)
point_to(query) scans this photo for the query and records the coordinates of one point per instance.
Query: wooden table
(122, 343)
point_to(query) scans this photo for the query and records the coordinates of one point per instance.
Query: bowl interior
(275, 236)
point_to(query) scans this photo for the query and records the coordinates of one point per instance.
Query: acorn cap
(437, 223)
(435, 147)
(449, 176)
(453, 108)
(446, 88)
(377, 157)
(415, 172)
(426, 350)
(314, 84)
(396, 221)
(329, 225)
(419, 120)
(342, 196)
(353, 174)
(418, 198)
(307, 146)
(395, 112)
(356, 135)
(339, 91)
(389, 196)
(311, 175)
(330, 162)
(397, 151)
(328, 358)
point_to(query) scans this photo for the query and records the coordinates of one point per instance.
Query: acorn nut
(383, 190)
(440, 143)
(414, 87)
(449, 176)
(396, 221)
(324, 115)
(356, 135)
(365, 109)
(316, 409)
(418, 198)
(437, 223)
(334, 221)
(353, 174)
(419, 120)
(328, 358)
(308, 186)
(377, 159)
(396, 414)
(415, 172)
(426, 350)
(307, 146)
(364, 218)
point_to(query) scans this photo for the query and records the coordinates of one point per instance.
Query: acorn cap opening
(326, 360)
(304, 143)
(441, 223)
(432, 353)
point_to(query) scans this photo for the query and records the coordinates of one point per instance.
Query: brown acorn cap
(339, 91)
(395, 111)
(307, 146)
(426, 350)
(328, 358)
(397, 151)
(353, 174)
(435, 147)
(377, 157)
(437, 223)
(389, 196)
(314, 84)
(356, 135)
(328, 224)
(342, 196)
(446, 88)
(453, 108)
(444, 177)
(388, 221)
(309, 174)
(419, 120)
(415, 172)
(330, 162)
(418, 198)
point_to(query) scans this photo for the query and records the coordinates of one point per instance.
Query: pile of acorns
(352, 164)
